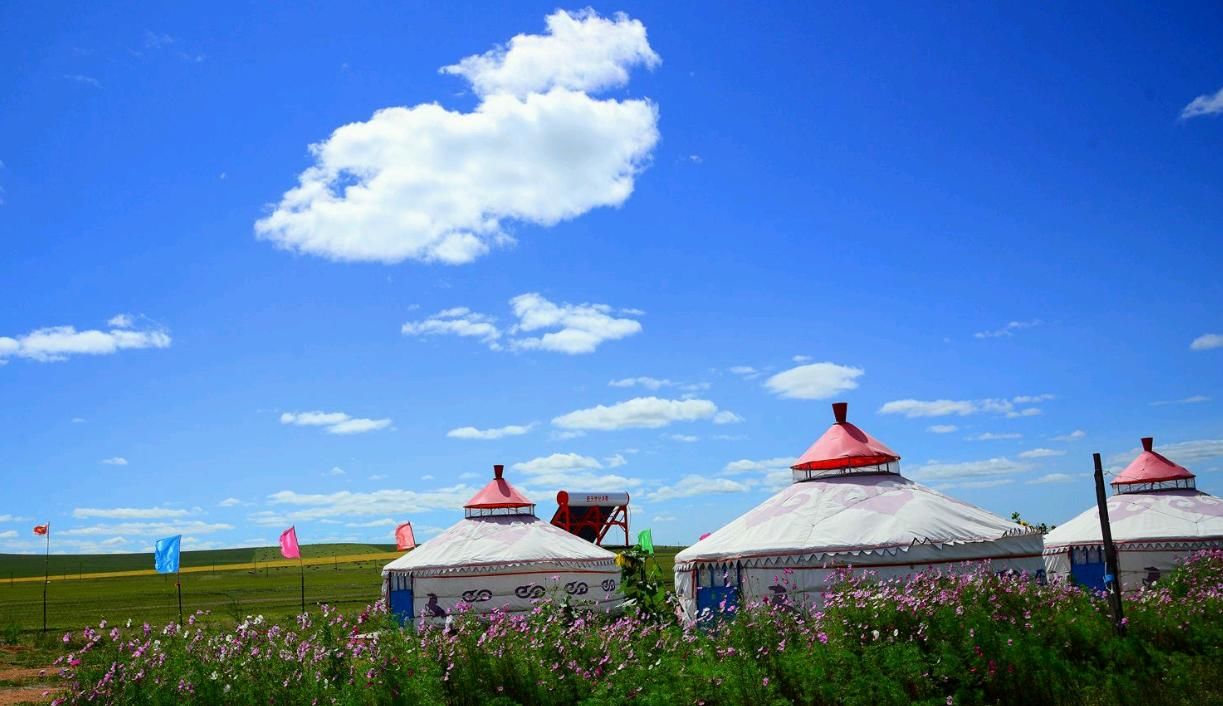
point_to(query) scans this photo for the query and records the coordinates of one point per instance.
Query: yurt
(500, 556)
(847, 506)
(1156, 515)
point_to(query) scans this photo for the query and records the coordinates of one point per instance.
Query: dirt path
(25, 685)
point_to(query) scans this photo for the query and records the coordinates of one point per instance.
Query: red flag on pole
(288, 544)
(404, 539)
(42, 529)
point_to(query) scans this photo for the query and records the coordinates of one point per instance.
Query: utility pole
(1112, 578)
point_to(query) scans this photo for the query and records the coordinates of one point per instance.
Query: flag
(646, 541)
(288, 544)
(165, 554)
(42, 529)
(404, 539)
(704, 536)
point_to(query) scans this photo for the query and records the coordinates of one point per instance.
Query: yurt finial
(844, 449)
(498, 471)
(840, 410)
(1152, 471)
(1148, 443)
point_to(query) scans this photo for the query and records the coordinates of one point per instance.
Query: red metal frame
(591, 522)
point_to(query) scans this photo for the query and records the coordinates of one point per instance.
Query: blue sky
(640, 251)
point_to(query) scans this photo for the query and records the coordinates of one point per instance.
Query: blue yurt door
(717, 591)
(1087, 567)
(399, 598)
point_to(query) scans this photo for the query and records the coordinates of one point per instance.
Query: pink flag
(404, 539)
(704, 535)
(288, 544)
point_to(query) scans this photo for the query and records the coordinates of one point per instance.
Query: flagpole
(178, 582)
(302, 566)
(46, 578)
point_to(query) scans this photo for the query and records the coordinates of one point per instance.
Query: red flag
(288, 544)
(42, 529)
(404, 539)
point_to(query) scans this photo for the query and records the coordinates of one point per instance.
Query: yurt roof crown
(844, 450)
(498, 498)
(1152, 471)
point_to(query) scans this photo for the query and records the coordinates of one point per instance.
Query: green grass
(230, 595)
(24, 565)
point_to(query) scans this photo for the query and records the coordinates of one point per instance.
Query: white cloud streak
(334, 422)
(640, 413)
(58, 343)
(1205, 104)
(129, 513)
(944, 408)
(1008, 330)
(490, 434)
(814, 381)
(1207, 341)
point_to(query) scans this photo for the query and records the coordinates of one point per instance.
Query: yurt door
(1087, 567)
(400, 602)
(717, 591)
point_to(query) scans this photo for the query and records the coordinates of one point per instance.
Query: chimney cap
(1148, 443)
(840, 411)
(498, 471)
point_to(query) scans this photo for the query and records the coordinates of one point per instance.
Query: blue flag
(165, 554)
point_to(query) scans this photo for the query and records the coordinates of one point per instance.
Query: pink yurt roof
(498, 494)
(1151, 467)
(844, 445)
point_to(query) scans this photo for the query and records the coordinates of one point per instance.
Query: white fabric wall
(515, 592)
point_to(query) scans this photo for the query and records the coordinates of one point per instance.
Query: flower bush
(953, 638)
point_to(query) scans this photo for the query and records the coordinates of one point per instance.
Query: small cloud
(1204, 104)
(1072, 436)
(429, 476)
(82, 78)
(941, 428)
(334, 422)
(693, 485)
(1051, 478)
(726, 417)
(129, 513)
(664, 518)
(641, 413)
(992, 436)
(1187, 400)
(746, 372)
(814, 381)
(157, 40)
(686, 438)
(1207, 341)
(490, 434)
(229, 502)
(120, 321)
(1041, 453)
(335, 471)
(115, 461)
(1008, 330)
(614, 461)
(802, 359)
(382, 476)
(78, 420)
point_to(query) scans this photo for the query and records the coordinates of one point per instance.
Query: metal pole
(302, 566)
(1113, 579)
(46, 579)
(178, 582)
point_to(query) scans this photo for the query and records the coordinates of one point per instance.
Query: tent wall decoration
(848, 505)
(1157, 516)
(500, 556)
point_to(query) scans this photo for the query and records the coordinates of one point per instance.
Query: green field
(66, 565)
(230, 594)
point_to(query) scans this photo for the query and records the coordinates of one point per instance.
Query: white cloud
(457, 321)
(384, 522)
(147, 529)
(993, 483)
(665, 518)
(692, 485)
(335, 471)
(581, 52)
(638, 413)
(1008, 330)
(230, 502)
(1204, 104)
(82, 78)
(316, 506)
(115, 461)
(801, 359)
(382, 476)
(996, 436)
(8, 534)
(726, 417)
(488, 434)
(944, 408)
(769, 464)
(557, 462)
(570, 470)
(334, 422)
(579, 328)
(120, 321)
(427, 476)
(430, 184)
(1051, 478)
(686, 438)
(814, 381)
(647, 382)
(747, 372)
(1186, 453)
(935, 470)
(1072, 436)
(614, 461)
(11, 518)
(1041, 453)
(1193, 399)
(129, 513)
(78, 420)
(942, 428)
(1207, 341)
(58, 343)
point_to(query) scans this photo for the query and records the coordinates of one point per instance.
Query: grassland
(231, 583)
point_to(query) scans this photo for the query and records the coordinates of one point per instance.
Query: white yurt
(500, 556)
(848, 505)
(1156, 515)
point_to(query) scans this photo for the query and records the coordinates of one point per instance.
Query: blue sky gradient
(1007, 208)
